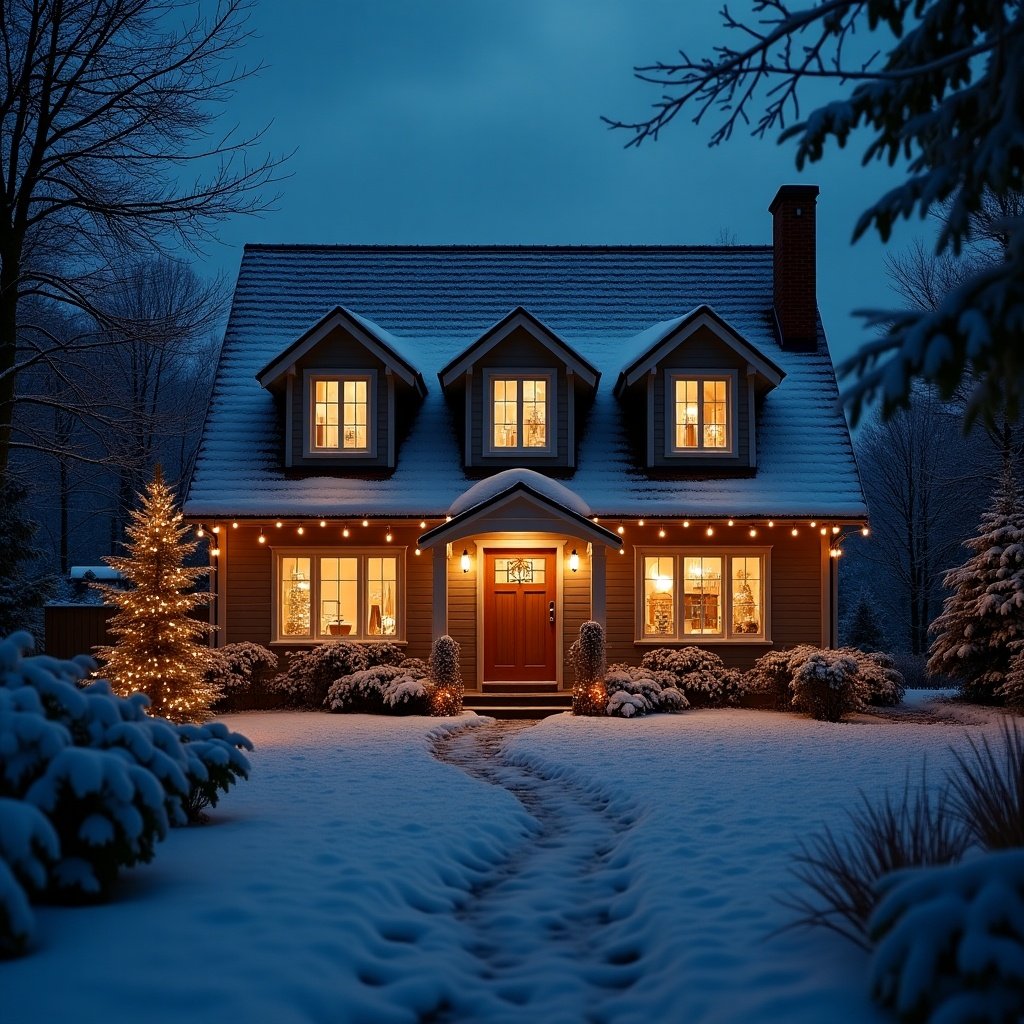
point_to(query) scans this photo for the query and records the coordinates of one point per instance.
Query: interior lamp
(574, 561)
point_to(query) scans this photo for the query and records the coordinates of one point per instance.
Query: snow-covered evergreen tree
(21, 592)
(864, 631)
(160, 648)
(984, 614)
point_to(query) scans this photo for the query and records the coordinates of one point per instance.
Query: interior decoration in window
(701, 413)
(691, 594)
(659, 572)
(324, 596)
(341, 414)
(702, 595)
(520, 413)
(295, 596)
(520, 570)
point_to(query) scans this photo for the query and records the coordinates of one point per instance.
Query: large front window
(341, 414)
(330, 595)
(520, 413)
(718, 595)
(700, 414)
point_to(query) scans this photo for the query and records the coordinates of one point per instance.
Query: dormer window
(521, 413)
(701, 411)
(340, 414)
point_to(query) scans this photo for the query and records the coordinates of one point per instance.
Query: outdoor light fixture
(215, 551)
(417, 551)
(465, 560)
(216, 529)
(574, 561)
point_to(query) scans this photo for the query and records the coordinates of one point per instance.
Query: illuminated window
(520, 408)
(341, 414)
(701, 414)
(689, 595)
(324, 595)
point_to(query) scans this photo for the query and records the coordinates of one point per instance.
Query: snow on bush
(950, 941)
(587, 657)
(382, 689)
(28, 846)
(445, 676)
(826, 685)
(310, 673)
(883, 683)
(17, 923)
(234, 667)
(633, 691)
(699, 674)
(215, 763)
(771, 674)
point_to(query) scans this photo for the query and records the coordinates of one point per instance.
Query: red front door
(519, 616)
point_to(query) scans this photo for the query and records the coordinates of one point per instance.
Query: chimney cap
(798, 193)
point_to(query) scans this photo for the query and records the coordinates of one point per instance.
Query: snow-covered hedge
(239, 670)
(587, 657)
(633, 691)
(950, 941)
(108, 778)
(382, 690)
(699, 674)
(310, 673)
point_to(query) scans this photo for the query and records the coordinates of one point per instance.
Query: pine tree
(160, 649)
(984, 614)
(20, 593)
(864, 631)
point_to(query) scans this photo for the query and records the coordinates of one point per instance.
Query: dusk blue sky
(477, 121)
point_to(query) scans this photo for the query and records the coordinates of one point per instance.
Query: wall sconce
(464, 561)
(574, 561)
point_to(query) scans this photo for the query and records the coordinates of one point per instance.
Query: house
(501, 442)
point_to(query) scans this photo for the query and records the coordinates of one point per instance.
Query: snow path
(543, 949)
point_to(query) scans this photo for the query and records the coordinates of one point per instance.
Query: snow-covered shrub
(827, 686)
(28, 847)
(383, 652)
(381, 690)
(445, 676)
(771, 674)
(884, 685)
(236, 669)
(215, 763)
(949, 941)
(587, 657)
(310, 673)
(633, 691)
(838, 874)
(1011, 690)
(415, 666)
(699, 674)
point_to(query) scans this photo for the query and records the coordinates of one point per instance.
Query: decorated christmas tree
(984, 614)
(160, 649)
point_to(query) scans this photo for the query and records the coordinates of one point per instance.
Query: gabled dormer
(694, 384)
(520, 392)
(345, 393)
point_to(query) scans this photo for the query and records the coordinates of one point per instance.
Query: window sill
(693, 641)
(306, 642)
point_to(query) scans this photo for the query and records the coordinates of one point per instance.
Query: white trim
(492, 374)
(731, 379)
(361, 554)
(310, 377)
(677, 554)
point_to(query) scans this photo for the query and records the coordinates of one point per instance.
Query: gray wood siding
(518, 352)
(339, 351)
(794, 596)
(702, 352)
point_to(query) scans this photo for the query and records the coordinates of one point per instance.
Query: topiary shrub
(699, 674)
(310, 673)
(587, 657)
(632, 692)
(445, 677)
(381, 690)
(826, 686)
(240, 671)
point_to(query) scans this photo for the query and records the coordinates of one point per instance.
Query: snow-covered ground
(356, 877)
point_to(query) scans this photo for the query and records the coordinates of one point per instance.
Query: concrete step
(514, 687)
(516, 710)
(519, 704)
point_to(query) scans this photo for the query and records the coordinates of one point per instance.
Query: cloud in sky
(478, 121)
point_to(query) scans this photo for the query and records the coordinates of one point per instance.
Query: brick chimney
(795, 270)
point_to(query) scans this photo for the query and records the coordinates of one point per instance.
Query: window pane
(295, 596)
(355, 413)
(746, 595)
(702, 595)
(339, 596)
(686, 413)
(382, 596)
(506, 413)
(520, 570)
(535, 428)
(716, 434)
(325, 414)
(659, 573)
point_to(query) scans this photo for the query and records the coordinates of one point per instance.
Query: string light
(864, 531)
(323, 522)
(771, 522)
(753, 532)
(710, 531)
(639, 522)
(622, 551)
(794, 531)
(835, 529)
(387, 536)
(813, 524)
(216, 529)
(731, 523)
(366, 522)
(261, 538)
(423, 524)
(824, 531)
(417, 551)
(661, 533)
(234, 526)
(621, 530)
(300, 531)
(213, 551)
(345, 531)
(686, 523)
(279, 524)
(596, 520)
(200, 532)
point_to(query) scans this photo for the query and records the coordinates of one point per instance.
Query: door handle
(551, 612)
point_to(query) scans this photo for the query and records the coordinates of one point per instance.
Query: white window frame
(358, 634)
(492, 375)
(731, 379)
(678, 554)
(310, 379)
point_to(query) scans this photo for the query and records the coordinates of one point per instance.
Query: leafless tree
(109, 149)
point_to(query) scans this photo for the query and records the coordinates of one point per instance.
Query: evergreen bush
(381, 690)
(445, 676)
(587, 658)
(309, 673)
(634, 691)
(699, 674)
(827, 686)
(240, 671)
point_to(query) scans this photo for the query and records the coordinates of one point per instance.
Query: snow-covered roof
(434, 301)
(490, 487)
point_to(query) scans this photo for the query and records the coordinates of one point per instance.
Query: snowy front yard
(358, 878)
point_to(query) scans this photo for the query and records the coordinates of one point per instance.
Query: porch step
(528, 704)
(520, 688)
